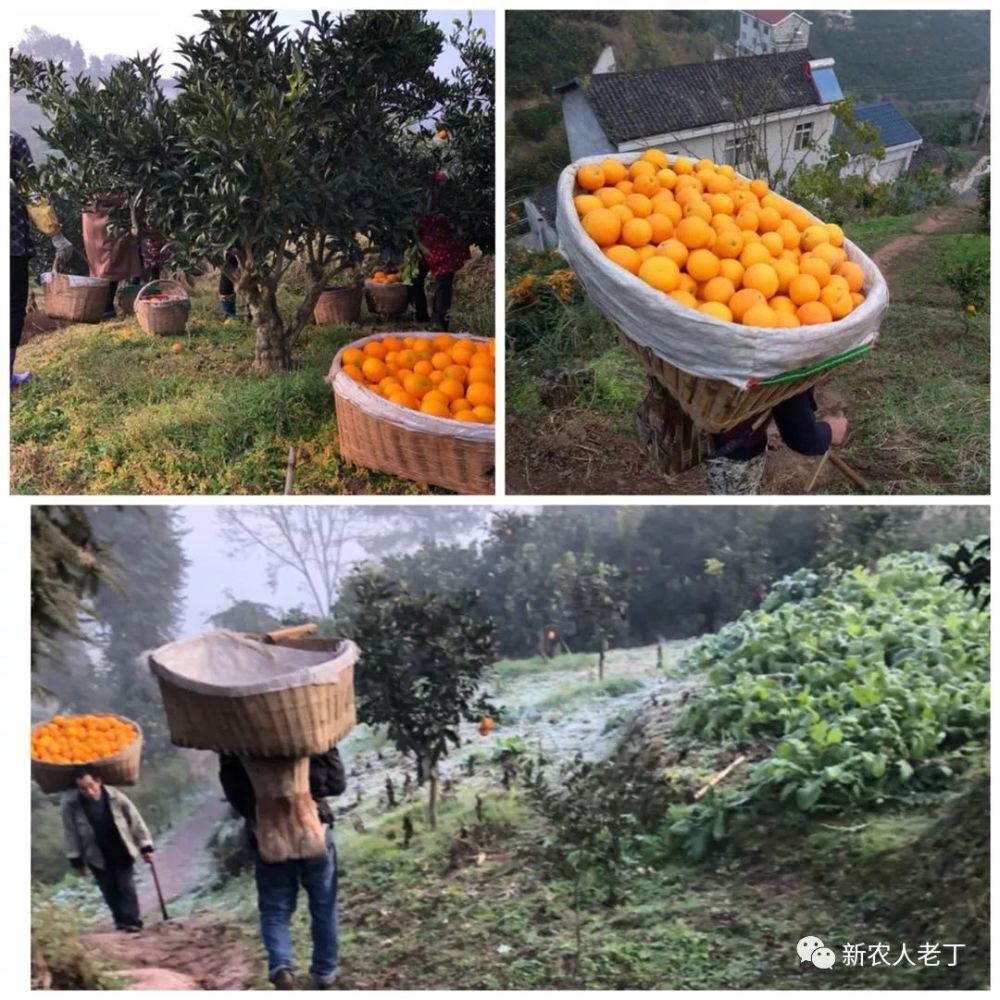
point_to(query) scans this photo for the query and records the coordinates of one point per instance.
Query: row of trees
(312, 145)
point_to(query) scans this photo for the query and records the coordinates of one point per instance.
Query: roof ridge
(803, 54)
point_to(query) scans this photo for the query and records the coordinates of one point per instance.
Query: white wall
(758, 37)
(896, 162)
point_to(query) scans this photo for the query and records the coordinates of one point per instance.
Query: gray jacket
(79, 837)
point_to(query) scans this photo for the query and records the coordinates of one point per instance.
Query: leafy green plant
(967, 273)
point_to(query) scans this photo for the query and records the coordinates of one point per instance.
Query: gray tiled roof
(894, 129)
(674, 98)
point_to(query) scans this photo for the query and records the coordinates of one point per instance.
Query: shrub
(984, 203)
(534, 123)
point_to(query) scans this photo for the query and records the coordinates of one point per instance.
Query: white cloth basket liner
(228, 664)
(75, 280)
(411, 420)
(695, 342)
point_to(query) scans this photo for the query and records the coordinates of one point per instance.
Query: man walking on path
(104, 831)
(278, 882)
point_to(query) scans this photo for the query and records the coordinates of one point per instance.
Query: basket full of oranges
(110, 745)
(386, 295)
(731, 295)
(419, 406)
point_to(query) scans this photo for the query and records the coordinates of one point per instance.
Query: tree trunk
(432, 798)
(600, 658)
(271, 351)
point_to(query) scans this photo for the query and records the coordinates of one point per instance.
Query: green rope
(846, 357)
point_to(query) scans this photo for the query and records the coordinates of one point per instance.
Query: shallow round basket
(80, 300)
(338, 305)
(301, 713)
(387, 299)
(380, 435)
(121, 768)
(164, 316)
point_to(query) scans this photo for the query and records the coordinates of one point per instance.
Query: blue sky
(126, 31)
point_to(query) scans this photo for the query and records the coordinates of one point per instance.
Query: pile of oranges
(441, 376)
(80, 739)
(715, 242)
(381, 278)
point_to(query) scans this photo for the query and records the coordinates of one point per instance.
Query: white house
(900, 139)
(745, 111)
(763, 32)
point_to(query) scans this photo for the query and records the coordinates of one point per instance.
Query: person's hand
(838, 429)
(147, 855)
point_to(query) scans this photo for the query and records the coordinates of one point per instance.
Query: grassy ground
(476, 903)
(113, 410)
(918, 406)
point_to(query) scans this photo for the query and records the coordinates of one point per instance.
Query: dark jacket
(326, 779)
(797, 424)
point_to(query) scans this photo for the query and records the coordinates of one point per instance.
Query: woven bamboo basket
(83, 301)
(338, 305)
(294, 721)
(167, 316)
(386, 300)
(437, 456)
(121, 768)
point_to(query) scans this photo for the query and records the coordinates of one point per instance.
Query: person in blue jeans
(278, 883)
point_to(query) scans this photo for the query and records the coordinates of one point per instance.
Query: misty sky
(104, 31)
(214, 569)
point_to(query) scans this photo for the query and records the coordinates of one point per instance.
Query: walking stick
(159, 891)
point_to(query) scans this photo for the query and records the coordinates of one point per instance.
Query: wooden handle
(294, 632)
(861, 483)
(702, 792)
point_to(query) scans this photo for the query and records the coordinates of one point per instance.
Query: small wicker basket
(338, 305)
(297, 720)
(167, 316)
(386, 300)
(121, 768)
(437, 456)
(82, 300)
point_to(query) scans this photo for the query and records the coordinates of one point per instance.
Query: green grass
(509, 669)
(873, 234)
(571, 695)
(111, 409)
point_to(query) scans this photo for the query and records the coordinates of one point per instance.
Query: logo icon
(812, 949)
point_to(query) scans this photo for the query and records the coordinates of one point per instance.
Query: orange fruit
(457, 405)
(743, 300)
(354, 372)
(754, 253)
(484, 414)
(434, 408)
(852, 273)
(441, 360)
(748, 219)
(423, 367)
(813, 235)
(682, 165)
(660, 272)
(480, 394)
(687, 284)
(804, 288)
(733, 270)
(646, 184)
(789, 234)
(403, 398)
(729, 243)
(722, 204)
(702, 265)
(623, 212)
(759, 188)
(624, 256)
(801, 218)
(584, 203)
(636, 232)
(614, 171)
(784, 318)
(640, 167)
(718, 289)
(760, 314)
(640, 204)
(857, 298)
(661, 227)
(717, 309)
(817, 267)
(768, 220)
(590, 177)
(624, 186)
(374, 349)
(782, 303)
(354, 356)
(833, 256)
(467, 416)
(389, 383)
(667, 178)
(417, 385)
(719, 184)
(698, 208)
(644, 253)
(374, 370)
(684, 298)
(835, 234)
(609, 196)
(674, 250)
(694, 233)
(785, 271)
(602, 226)
(813, 312)
(393, 344)
(772, 241)
(837, 300)
(655, 156)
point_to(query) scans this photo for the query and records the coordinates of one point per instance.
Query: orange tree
(423, 657)
(279, 145)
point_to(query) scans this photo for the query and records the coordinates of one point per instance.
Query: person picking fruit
(103, 831)
(278, 882)
(737, 466)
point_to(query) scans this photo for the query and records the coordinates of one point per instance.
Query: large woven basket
(338, 305)
(433, 450)
(298, 720)
(121, 768)
(385, 299)
(167, 316)
(80, 300)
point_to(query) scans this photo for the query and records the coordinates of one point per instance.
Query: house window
(803, 135)
(746, 20)
(738, 151)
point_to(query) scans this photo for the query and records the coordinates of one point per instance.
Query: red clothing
(114, 258)
(443, 251)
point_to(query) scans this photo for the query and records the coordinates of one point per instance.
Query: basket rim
(427, 424)
(97, 762)
(162, 281)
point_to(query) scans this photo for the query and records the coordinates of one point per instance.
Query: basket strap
(844, 358)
